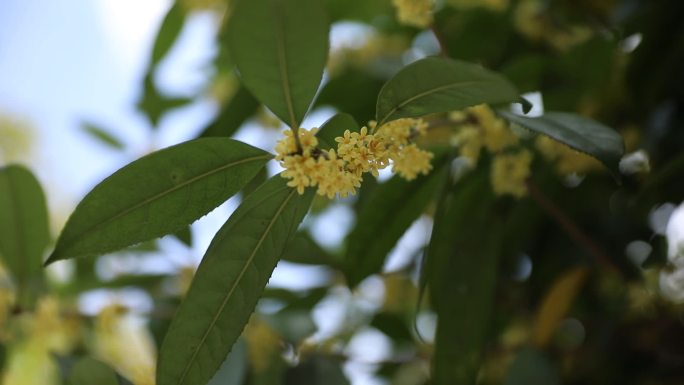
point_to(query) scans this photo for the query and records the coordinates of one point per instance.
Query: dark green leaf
(335, 127)
(88, 371)
(240, 107)
(185, 235)
(302, 249)
(461, 268)
(234, 368)
(157, 195)
(102, 136)
(280, 48)
(580, 133)
(229, 281)
(316, 370)
(532, 367)
(434, 85)
(354, 92)
(389, 211)
(24, 229)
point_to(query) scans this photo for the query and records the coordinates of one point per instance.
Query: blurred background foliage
(589, 274)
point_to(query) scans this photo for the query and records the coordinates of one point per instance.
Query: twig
(571, 227)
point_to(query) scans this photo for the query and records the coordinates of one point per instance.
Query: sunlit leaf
(24, 229)
(229, 282)
(439, 85)
(389, 211)
(280, 48)
(89, 371)
(580, 133)
(462, 264)
(157, 195)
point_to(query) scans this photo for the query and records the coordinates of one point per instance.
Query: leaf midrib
(282, 61)
(424, 94)
(232, 289)
(167, 192)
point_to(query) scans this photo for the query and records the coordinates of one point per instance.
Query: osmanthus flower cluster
(482, 130)
(340, 170)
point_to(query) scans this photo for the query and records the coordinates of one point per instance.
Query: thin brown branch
(570, 227)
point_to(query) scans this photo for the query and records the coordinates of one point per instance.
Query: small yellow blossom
(416, 13)
(411, 162)
(495, 132)
(567, 160)
(340, 171)
(469, 142)
(509, 173)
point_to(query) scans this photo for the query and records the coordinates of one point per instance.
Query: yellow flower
(125, 344)
(263, 343)
(495, 132)
(469, 142)
(340, 171)
(509, 173)
(494, 5)
(412, 161)
(567, 160)
(417, 13)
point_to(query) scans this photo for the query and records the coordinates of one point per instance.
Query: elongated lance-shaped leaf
(229, 282)
(158, 194)
(334, 127)
(461, 271)
(580, 133)
(434, 85)
(389, 211)
(280, 48)
(24, 229)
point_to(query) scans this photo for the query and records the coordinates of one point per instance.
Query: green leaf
(170, 29)
(461, 266)
(302, 249)
(280, 48)
(316, 370)
(102, 136)
(335, 127)
(532, 367)
(229, 282)
(184, 235)
(157, 195)
(580, 133)
(390, 210)
(434, 85)
(240, 107)
(24, 229)
(89, 371)
(344, 93)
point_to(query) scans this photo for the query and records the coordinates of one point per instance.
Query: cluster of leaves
(486, 326)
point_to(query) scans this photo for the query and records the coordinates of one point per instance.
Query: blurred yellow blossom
(262, 344)
(16, 139)
(416, 13)
(509, 172)
(481, 129)
(532, 20)
(125, 344)
(43, 333)
(566, 159)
